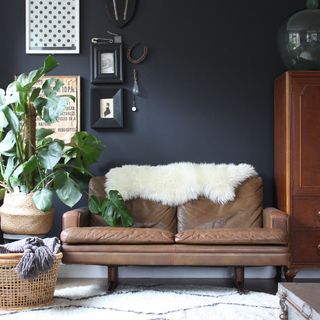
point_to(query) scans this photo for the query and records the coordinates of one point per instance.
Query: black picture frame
(106, 107)
(106, 63)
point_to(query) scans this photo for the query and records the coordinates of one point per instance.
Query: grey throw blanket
(38, 255)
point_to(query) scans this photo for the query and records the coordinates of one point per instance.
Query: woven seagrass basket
(16, 293)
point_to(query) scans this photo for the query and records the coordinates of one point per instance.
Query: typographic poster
(69, 121)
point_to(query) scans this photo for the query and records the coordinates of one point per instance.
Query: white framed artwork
(52, 26)
(106, 108)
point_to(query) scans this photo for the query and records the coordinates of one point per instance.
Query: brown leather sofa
(198, 233)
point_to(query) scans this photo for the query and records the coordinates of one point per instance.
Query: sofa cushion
(151, 214)
(145, 213)
(243, 212)
(232, 236)
(96, 187)
(115, 235)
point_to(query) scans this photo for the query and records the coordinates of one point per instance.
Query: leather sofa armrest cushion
(76, 218)
(275, 219)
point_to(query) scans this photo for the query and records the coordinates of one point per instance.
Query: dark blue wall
(207, 83)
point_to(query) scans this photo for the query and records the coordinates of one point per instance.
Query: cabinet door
(305, 134)
(306, 213)
(305, 247)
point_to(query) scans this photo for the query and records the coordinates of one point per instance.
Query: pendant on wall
(120, 12)
(136, 61)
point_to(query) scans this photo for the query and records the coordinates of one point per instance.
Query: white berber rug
(152, 302)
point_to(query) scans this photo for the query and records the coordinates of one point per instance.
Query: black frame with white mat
(106, 107)
(106, 62)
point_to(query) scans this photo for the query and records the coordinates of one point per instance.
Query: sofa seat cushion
(243, 212)
(115, 235)
(233, 236)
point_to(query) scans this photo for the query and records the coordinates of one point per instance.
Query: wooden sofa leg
(238, 279)
(112, 278)
(290, 273)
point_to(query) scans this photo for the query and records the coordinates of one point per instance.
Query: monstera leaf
(43, 199)
(42, 133)
(67, 189)
(50, 156)
(86, 148)
(113, 209)
(7, 143)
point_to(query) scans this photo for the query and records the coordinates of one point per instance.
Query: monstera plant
(33, 165)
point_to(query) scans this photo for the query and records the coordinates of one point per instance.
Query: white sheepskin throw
(177, 183)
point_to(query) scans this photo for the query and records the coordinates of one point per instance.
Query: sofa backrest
(244, 211)
(145, 213)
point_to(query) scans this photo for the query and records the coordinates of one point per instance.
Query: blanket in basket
(38, 255)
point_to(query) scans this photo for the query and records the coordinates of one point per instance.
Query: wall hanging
(52, 26)
(106, 107)
(136, 61)
(106, 60)
(69, 121)
(120, 12)
(299, 39)
(135, 90)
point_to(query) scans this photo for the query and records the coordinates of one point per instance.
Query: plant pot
(19, 215)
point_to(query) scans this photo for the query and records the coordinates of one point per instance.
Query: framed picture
(52, 26)
(69, 121)
(106, 107)
(106, 63)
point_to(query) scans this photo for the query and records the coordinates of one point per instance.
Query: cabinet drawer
(306, 213)
(305, 246)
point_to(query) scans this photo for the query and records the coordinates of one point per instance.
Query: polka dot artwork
(52, 26)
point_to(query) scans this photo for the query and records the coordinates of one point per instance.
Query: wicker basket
(19, 294)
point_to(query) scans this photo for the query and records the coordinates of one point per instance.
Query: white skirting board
(86, 271)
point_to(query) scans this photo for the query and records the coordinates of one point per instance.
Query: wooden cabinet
(297, 162)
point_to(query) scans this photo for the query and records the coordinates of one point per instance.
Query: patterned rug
(152, 302)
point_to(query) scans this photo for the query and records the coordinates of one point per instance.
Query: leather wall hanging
(120, 12)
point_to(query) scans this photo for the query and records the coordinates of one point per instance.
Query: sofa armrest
(76, 218)
(275, 219)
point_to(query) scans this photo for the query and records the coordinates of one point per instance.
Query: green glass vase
(299, 39)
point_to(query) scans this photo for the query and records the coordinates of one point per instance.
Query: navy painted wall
(207, 83)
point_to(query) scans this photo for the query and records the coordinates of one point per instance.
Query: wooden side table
(299, 301)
